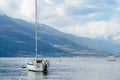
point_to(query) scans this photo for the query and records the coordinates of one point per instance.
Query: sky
(86, 18)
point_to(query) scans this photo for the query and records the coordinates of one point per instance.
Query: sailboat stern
(35, 66)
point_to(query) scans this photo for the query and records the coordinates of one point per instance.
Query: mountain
(103, 45)
(17, 38)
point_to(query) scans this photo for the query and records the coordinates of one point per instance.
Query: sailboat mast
(36, 27)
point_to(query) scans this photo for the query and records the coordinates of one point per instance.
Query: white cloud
(61, 11)
(27, 10)
(103, 29)
(49, 2)
(91, 29)
(11, 8)
(88, 18)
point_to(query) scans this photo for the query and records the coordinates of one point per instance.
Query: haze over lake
(83, 68)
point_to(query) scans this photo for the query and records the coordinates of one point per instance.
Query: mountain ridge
(17, 39)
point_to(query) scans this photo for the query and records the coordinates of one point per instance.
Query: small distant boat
(111, 58)
(38, 64)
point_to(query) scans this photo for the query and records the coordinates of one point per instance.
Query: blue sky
(87, 18)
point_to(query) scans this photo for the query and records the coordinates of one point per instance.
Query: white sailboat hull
(38, 65)
(35, 67)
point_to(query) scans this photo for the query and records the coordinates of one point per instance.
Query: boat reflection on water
(37, 75)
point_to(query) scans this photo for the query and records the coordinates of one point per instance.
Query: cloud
(11, 8)
(49, 2)
(27, 10)
(102, 29)
(88, 18)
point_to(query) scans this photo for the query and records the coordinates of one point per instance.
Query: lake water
(83, 68)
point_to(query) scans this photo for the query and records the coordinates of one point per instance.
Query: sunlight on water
(87, 68)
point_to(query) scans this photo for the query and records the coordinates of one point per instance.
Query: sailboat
(37, 64)
(111, 58)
